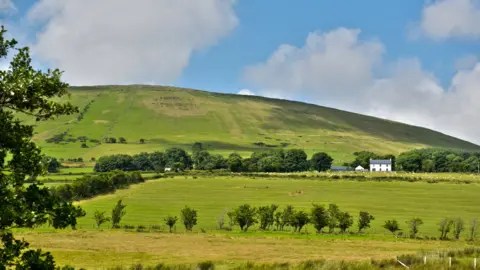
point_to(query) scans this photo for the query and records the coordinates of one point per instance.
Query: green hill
(168, 116)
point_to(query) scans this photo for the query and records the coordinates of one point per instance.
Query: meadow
(150, 202)
(172, 117)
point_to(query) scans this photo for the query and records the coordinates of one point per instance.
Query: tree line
(438, 160)
(325, 219)
(92, 185)
(273, 160)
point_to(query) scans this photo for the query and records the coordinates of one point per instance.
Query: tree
(234, 162)
(445, 226)
(286, 217)
(364, 219)
(266, 215)
(115, 162)
(174, 156)
(141, 141)
(458, 227)
(84, 145)
(472, 232)
(299, 220)
(170, 221)
(345, 221)
(363, 159)
(24, 90)
(319, 217)
(392, 226)
(51, 163)
(270, 164)
(142, 162)
(295, 160)
(201, 159)
(100, 218)
(333, 212)
(410, 161)
(245, 216)
(122, 140)
(414, 223)
(321, 162)
(189, 217)
(158, 161)
(117, 213)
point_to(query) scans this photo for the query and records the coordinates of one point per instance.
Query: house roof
(380, 161)
(339, 168)
(359, 168)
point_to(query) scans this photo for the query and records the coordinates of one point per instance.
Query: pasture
(149, 203)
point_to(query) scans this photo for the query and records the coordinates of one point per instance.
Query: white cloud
(466, 62)
(124, 41)
(6, 6)
(443, 19)
(246, 92)
(341, 72)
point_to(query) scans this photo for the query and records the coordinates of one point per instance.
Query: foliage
(319, 217)
(122, 140)
(392, 226)
(114, 162)
(245, 216)
(234, 162)
(321, 162)
(266, 216)
(24, 90)
(345, 221)
(458, 227)
(439, 160)
(299, 220)
(118, 212)
(333, 213)
(414, 223)
(141, 141)
(189, 217)
(364, 219)
(178, 158)
(445, 226)
(100, 218)
(295, 160)
(472, 230)
(285, 217)
(170, 221)
(51, 163)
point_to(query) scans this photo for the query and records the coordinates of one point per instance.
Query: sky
(412, 61)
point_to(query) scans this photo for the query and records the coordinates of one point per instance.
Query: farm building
(340, 169)
(359, 169)
(380, 165)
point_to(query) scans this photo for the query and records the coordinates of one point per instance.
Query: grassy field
(149, 203)
(167, 117)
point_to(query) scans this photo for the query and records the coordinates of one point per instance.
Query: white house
(359, 169)
(168, 169)
(380, 165)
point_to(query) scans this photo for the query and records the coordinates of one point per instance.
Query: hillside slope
(168, 116)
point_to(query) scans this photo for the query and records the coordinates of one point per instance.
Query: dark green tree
(142, 162)
(177, 155)
(24, 90)
(345, 221)
(445, 226)
(266, 216)
(141, 141)
(189, 217)
(364, 219)
(201, 159)
(363, 159)
(234, 162)
(158, 160)
(118, 212)
(319, 217)
(245, 216)
(321, 162)
(299, 220)
(392, 226)
(170, 221)
(295, 160)
(52, 164)
(122, 140)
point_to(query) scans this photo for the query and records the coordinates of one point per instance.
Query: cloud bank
(339, 69)
(124, 41)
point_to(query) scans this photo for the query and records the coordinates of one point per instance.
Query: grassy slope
(167, 116)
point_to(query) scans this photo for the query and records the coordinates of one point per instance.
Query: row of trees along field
(274, 160)
(291, 160)
(324, 220)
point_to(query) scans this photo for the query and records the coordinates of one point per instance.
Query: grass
(149, 203)
(172, 117)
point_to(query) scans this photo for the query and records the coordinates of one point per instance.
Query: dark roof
(340, 168)
(380, 161)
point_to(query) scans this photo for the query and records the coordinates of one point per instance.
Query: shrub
(299, 220)
(458, 227)
(445, 226)
(364, 219)
(245, 216)
(141, 228)
(84, 145)
(266, 216)
(122, 140)
(345, 221)
(100, 218)
(170, 221)
(392, 226)
(118, 212)
(472, 232)
(414, 223)
(333, 213)
(206, 265)
(319, 217)
(189, 217)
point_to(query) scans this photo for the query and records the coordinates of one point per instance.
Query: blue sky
(407, 60)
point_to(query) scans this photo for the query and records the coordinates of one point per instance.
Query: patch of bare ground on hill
(93, 249)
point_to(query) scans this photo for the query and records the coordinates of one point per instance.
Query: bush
(414, 223)
(319, 217)
(392, 226)
(115, 162)
(245, 216)
(266, 215)
(189, 217)
(206, 265)
(100, 218)
(299, 220)
(364, 219)
(170, 221)
(118, 212)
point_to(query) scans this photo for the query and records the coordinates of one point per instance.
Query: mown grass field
(149, 203)
(173, 117)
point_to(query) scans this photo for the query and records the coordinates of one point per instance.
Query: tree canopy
(27, 91)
